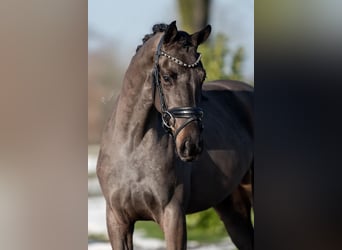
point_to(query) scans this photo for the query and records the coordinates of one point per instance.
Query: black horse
(174, 145)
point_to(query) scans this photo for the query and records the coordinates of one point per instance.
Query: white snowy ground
(97, 223)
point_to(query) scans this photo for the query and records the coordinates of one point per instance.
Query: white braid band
(181, 62)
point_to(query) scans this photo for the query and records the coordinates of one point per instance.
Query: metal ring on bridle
(167, 117)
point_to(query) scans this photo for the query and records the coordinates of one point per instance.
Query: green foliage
(150, 229)
(98, 237)
(205, 226)
(215, 52)
(237, 64)
(202, 227)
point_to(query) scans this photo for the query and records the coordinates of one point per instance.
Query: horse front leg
(120, 234)
(174, 227)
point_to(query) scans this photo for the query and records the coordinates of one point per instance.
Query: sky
(126, 22)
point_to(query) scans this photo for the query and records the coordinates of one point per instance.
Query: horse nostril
(185, 148)
(189, 148)
(187, 144)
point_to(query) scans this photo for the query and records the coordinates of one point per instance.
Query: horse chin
(188, 158)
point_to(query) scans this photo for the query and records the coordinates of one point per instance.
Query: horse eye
(166, 78)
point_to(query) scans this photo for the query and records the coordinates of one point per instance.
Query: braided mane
(161, 27)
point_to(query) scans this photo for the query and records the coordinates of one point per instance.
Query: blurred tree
(238, 57)
(194, 14)
(215, 54)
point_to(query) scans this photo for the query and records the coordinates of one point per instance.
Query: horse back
(235, 95)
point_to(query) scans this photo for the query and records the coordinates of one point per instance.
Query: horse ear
(201, 36)
(171, 32)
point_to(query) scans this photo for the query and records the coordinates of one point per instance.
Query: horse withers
(174, 145)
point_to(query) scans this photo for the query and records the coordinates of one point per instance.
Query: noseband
(169, 115)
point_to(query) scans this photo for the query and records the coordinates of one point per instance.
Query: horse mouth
(188, 158)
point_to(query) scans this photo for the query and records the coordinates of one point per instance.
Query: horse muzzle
(190, 150)
(185, 126)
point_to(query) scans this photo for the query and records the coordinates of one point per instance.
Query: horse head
(178, 78)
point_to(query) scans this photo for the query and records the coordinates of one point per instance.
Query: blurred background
(115, 29)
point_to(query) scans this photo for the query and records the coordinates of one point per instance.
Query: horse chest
(143, 187)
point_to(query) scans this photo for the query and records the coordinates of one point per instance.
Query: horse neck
(136, 102)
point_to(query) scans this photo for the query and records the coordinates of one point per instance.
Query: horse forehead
(184, 37)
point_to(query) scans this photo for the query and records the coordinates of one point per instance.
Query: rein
(169, 115)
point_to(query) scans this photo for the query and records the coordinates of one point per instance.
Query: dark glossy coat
(146, 174)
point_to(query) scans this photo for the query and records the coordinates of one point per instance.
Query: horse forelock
(183, 40)
(161, 27)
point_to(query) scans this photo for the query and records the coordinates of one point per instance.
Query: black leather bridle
(169, 115)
